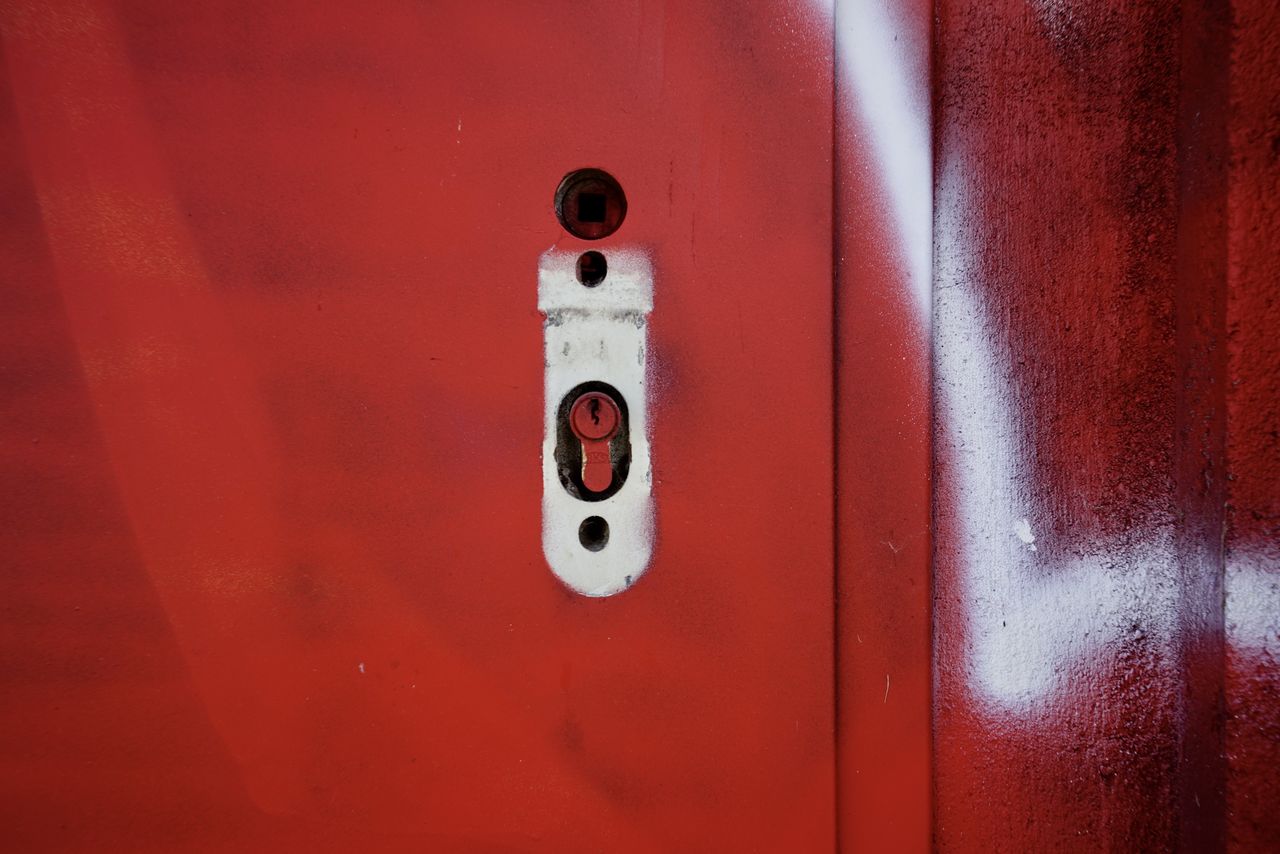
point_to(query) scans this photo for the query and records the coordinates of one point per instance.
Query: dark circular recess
(593, 533)
(592, 268)
(590, 204)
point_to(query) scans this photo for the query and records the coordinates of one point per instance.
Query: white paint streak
(1033, 621)
(875, 59)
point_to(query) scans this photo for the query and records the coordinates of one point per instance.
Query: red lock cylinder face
(276, 323)
(595, 419)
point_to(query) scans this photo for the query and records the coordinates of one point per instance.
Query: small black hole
(593, 533)
(591, 207)
(592, 268)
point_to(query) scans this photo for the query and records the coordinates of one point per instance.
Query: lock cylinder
(594, 419)
(593, 443)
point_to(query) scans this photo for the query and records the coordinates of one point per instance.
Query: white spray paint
(1253, 603)
(1032, 621)
(598, 334)
(875, 61)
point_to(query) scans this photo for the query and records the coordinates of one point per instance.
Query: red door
(934, 501)
(276, 520)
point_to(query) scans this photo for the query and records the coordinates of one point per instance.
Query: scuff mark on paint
(1022, 528)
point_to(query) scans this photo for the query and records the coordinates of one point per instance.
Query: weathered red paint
(1252, 538)
(272, 370)
(272, 446)
(1104, 176)
(882, 322)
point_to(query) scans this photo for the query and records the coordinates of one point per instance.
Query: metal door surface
(275, 522)
(959, 391)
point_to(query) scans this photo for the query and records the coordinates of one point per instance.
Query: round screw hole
(593, 533)
(592, 268)
(590, 204)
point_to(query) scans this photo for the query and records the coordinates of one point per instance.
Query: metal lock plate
(596, 337)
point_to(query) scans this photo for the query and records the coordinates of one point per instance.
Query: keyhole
(594, 417)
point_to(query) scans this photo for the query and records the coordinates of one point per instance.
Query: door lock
(595, 419)
(597, 474)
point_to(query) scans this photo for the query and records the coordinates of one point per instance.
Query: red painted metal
(1251, 541)
(273, 402)
(272, 509)
(882, 250)
(1102, 186)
